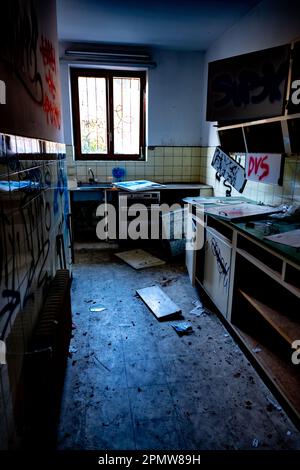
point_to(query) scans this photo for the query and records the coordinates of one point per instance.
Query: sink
(94, 185)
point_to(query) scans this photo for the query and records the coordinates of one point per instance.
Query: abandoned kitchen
(150, 225)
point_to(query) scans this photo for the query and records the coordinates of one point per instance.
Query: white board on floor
(139, 259)
(159, 303)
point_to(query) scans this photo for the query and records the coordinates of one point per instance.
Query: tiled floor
(133, 383)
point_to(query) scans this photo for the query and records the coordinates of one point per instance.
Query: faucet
(92, 178)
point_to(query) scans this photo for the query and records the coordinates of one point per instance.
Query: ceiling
(173, 24)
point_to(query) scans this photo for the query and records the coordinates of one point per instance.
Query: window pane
(92, 109)
(126, 93)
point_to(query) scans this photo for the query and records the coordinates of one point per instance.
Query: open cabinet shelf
(287, 328)
(282, 374)
(266, 317)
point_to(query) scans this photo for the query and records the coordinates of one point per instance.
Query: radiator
(46, 363)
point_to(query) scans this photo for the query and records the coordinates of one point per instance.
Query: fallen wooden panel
(139, 259)
(158, 302)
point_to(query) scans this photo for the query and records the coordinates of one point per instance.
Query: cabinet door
(217, 263)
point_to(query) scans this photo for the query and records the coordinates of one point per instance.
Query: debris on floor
(139, 259)
(97, 308)
(183, 328)
(272, 405)
(166, 282)
(100, 362)
(72, 350)
(158, 302)
(154, 388)
(255, 443)
(198, 308)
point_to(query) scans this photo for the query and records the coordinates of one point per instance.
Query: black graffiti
(43, 275)
(19, 45)
(230, 169)
(47, 176)
(38, 244)
(226, 167)
(250, 87)
(223, 267)
(47, 216)
(13, 297)
(3, 248)
(34, 229)
(28, 236)
(9, 249)
(229, 190)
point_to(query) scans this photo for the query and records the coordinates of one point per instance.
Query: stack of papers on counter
(140, 185)
(237, 211)
(291, 238)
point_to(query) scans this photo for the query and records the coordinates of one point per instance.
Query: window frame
(109, 74)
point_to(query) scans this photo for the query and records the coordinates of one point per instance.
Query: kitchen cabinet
(86, 199)
(84, 203)
(255, 285)
(263, 125)
(274, 135)
(217, 263)
(83, 207)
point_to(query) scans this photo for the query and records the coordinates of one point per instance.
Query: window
(108, 109)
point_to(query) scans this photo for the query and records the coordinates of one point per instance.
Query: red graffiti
(265, 167)
(50, 83)
(50, 108)
(256, 164)
(52, 111)
(48, 54)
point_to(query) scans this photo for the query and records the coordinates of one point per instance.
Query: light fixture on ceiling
(110, 57)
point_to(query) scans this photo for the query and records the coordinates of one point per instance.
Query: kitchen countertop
(257, 229)
(167, 186)
(279, 226)
(176, 186)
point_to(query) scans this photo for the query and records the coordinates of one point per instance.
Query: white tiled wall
(269, 194)
(164, 164)
(190, 164)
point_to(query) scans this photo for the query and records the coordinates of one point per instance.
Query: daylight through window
(108, 114)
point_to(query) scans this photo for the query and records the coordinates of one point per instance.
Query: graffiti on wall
(30, 220)
(229, 169)
(222, 265)
(248, 86)
(264, 168)
(50, 106)
(28, 67)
